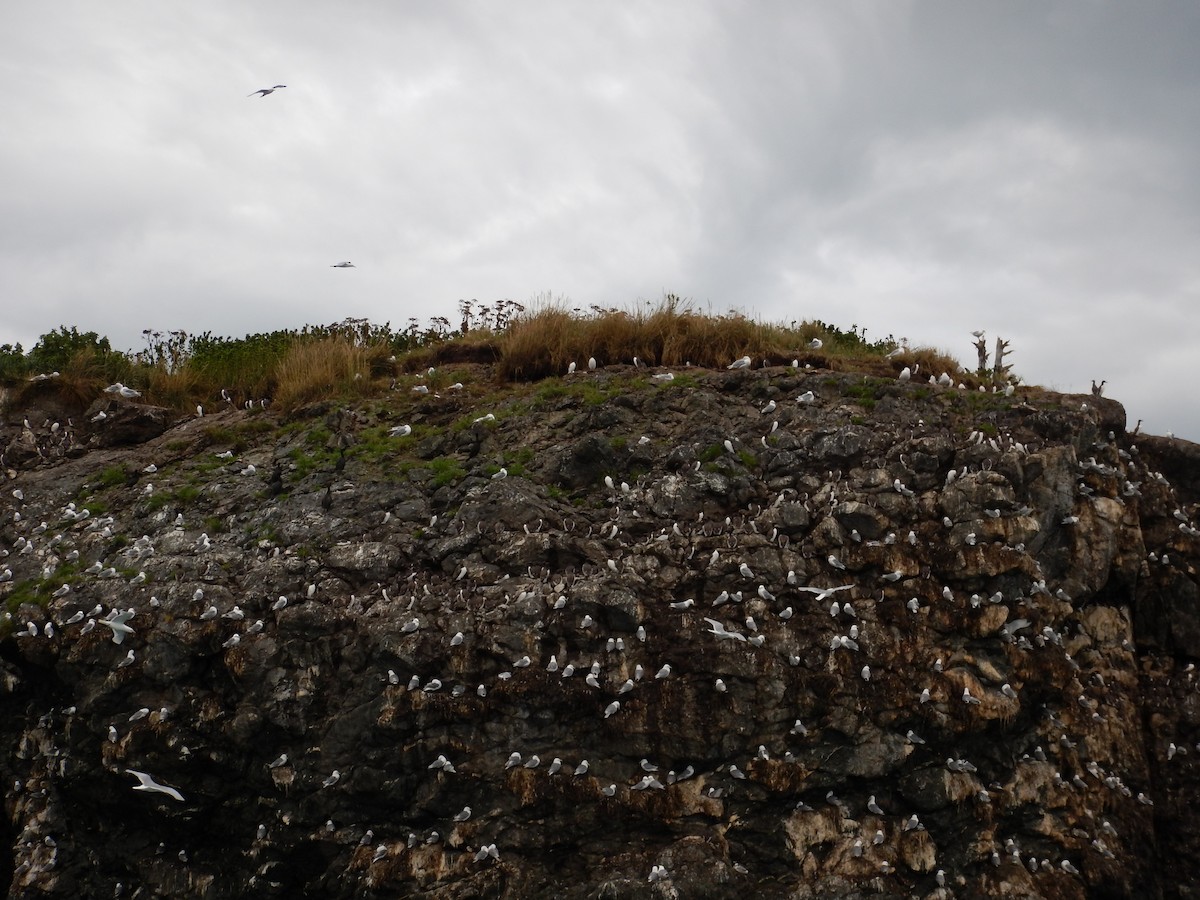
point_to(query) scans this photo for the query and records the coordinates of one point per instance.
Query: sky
(918, 169)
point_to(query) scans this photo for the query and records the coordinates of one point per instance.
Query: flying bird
(270, 90)
(345, 264)
(149, 784)
(118, 626)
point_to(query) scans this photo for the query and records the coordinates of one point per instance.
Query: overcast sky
(921, 169)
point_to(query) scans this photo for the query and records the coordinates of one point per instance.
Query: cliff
(892, 639)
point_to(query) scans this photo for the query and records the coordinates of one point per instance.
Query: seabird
(146, 783)
(118, 626)
(345, 264)
(742, 363)
(264, 91)
(721, 633)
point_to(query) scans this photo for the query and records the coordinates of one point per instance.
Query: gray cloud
(922, 169)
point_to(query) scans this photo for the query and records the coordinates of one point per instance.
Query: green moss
(864, 394)
(94, 505)
(711, 453)
(446, 470)
(679, 381)
(112, 477)
(39, 590)
(207, 465)
(318, 436)
(376, 445)
(308, 462)
(551, 391)
(28, 590)
(221, 436)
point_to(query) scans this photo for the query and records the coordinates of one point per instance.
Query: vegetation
(354, 359)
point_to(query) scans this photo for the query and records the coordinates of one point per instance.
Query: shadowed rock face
(1020, 560)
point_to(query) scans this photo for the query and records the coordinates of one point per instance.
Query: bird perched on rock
(743, 363)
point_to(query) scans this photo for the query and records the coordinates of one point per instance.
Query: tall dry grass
(546, 341)
(324, 369)
(295, 369)
(181, 390)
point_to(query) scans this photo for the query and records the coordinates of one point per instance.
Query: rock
(436, 620)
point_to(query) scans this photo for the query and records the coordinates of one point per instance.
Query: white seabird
(118, 626)
(743, 363)
(344, 264)
(146, 783)
(719, 631)
(264, 91)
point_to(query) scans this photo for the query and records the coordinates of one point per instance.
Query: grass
(865, 394)
(352, 360)
(547, 341)
(330, 368)
(179, 498)
(446, 470)
(112, 477)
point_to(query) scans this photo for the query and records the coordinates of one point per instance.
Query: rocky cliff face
(603, 636)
